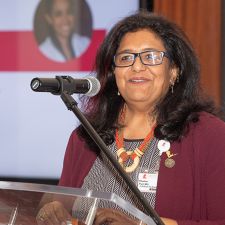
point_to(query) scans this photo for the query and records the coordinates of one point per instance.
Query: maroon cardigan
(193, 191)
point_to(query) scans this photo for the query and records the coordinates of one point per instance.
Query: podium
(20, 203)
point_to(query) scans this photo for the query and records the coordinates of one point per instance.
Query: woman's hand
(53, 213)
(113, 217)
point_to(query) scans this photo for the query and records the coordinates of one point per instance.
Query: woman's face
(61, 18)
(141, 83)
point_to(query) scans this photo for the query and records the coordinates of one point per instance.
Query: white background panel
(35, 127)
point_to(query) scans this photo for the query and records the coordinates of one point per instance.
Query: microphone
(89, 86)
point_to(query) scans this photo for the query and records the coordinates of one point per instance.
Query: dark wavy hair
(176, 110)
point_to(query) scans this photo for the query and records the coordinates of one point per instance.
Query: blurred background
(35, 127)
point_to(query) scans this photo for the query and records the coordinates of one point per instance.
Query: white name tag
(147, 182)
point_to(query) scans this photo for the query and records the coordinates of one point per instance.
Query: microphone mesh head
(94, 86)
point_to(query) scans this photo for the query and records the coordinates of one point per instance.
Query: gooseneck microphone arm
(72, 105)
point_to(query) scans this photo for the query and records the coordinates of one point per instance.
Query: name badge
(147, 182)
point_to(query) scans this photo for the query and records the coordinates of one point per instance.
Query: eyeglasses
(150, 58)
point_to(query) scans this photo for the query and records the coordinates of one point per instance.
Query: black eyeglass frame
(138, 54)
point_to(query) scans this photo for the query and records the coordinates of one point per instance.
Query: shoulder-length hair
(176, 110)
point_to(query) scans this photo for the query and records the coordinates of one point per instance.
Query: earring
(118, 93)
(171, 86)
(177, 78)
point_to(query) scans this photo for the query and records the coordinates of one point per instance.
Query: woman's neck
(137, 124)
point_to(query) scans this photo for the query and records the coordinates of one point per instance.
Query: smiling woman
(145, 79)
(62, 39)
(154, 118)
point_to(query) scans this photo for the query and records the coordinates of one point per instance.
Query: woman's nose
(138, 65)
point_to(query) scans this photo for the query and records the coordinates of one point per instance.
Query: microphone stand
(72, 106)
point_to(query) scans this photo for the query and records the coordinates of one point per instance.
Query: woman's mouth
(138, 80)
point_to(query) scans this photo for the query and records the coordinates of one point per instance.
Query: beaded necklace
(135, 155)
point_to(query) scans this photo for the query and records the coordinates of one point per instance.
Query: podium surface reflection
(20, 203)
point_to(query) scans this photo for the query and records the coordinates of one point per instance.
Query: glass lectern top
(20, 203)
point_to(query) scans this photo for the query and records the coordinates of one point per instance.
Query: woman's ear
(174, 74)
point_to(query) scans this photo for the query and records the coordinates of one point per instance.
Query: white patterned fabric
(103, 177)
